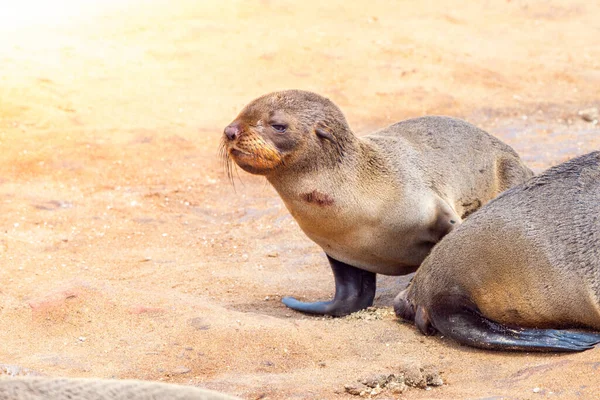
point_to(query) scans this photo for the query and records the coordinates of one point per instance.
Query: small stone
(199, 324)
(590, 114)
(181, 370)
(273, 254)
(433, 378)
(374, 381)
(82, 338)
(375, 391)
(353, 390)
(536, 390)
(322, 364)
(413, 376)
(396, 387)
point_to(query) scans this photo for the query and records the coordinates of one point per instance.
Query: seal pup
(525, 264)
(38, 388)
(376, 203)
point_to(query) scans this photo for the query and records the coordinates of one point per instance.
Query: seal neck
(337, 171)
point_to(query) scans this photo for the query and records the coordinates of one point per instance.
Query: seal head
(286, 131)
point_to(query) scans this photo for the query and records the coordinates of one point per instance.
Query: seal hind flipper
(461, 320)
(354, 291)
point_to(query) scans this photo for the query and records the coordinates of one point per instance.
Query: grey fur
(99, 389)
(529, 258)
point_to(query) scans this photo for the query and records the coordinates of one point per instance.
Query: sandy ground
(125, 252)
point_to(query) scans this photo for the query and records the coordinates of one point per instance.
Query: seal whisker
(226, 161)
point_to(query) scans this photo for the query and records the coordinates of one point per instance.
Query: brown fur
(529, 258)
(376, 202)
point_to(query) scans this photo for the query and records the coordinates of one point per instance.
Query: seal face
(522, 266)
(281, 130)
(376, 203)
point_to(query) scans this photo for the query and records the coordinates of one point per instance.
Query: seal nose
(232, 131)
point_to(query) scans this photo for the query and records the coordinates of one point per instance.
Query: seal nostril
(232, 131)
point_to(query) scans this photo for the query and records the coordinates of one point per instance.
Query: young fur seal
(375, 204)
(530, 258)
(100, 389)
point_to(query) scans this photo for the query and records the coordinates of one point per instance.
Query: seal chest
(375, 204)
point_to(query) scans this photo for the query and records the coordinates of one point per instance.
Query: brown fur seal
(99, 389)
(375, 204)
(530, 258)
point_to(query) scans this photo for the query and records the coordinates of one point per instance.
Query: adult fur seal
(99, 389)
(375, 204)
(526, 262)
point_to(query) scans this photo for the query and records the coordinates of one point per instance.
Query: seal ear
(324, 132)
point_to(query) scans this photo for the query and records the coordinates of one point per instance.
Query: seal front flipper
(354, 291)
(460, 319)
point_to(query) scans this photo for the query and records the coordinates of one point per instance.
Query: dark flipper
(461, 320)
(354, 291)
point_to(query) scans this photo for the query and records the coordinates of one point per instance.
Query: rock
(397, 387)
(180, 370)
(372, 314)
(198, 323)
(374, 392)
(353, 390)
(374, 381)
(432, 376)
(590, 114)
(413, 376)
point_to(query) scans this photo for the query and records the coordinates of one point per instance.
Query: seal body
(522, 266)
(376, 203)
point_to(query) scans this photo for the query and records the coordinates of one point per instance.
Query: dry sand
(124, 251)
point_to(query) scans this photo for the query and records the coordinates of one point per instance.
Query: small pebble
(353, 390)
(536, 390)
(181, 370)
(590, 114)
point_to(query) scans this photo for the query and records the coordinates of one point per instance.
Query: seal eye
(279, 127)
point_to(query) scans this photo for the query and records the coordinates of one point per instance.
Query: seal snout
(232, 131)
